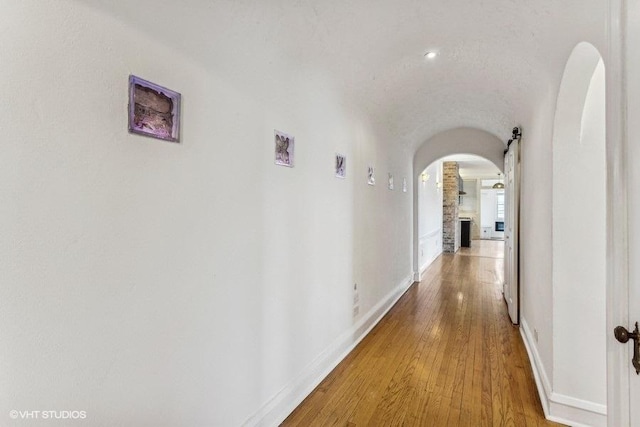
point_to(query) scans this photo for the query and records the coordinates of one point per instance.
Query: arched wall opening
(478, 204)
(454, 141)
(579, 232)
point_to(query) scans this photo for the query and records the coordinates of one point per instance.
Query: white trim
(436, 233)
(618, 395)
(585, 405)
(414, 231)
(539, 373)
(572, 415)
(427, 265)
(276, 410)
(430, 234)
(559, 407)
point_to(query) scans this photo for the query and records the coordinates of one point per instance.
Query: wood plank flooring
(445, 355)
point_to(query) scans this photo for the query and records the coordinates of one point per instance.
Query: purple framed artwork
(284, 144)
(371, 177)
(341, 165)
(153, 110)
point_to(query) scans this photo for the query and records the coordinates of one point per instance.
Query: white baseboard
(284, 402)
(559, 407)
(426, 265)
(539, 373)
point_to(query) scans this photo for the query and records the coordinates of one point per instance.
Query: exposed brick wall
(450, 223)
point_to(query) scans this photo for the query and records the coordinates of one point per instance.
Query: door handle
(623, 336)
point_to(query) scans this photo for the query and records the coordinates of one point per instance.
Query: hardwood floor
(484, 248)
(445, 355)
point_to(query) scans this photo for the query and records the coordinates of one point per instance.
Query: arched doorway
(454, 141)
(579, 233)
(477, 202)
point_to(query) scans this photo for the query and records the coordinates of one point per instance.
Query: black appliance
(465, 233)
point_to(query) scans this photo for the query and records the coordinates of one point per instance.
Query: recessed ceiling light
(430, 55)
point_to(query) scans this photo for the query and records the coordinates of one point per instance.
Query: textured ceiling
(498, 59)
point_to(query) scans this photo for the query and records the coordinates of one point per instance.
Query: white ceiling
(499, 60)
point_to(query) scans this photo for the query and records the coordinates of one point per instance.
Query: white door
(512, 201)
(623, 208)
(632, 92)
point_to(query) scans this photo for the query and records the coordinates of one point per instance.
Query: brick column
(450, 223)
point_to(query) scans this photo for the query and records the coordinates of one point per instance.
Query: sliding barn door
(512, 204)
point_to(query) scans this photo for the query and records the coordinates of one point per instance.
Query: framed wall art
(153, 110)
(341, 165)
(284, 148)
(371, 177)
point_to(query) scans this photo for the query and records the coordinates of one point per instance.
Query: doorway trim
(618, 404)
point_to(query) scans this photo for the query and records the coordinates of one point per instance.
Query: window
(500, 205)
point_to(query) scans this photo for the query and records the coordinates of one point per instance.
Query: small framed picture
(153, 110)
(341, 165)
(390, 182)
(284, 147)
(371, 177)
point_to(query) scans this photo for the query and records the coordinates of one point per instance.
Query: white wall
(151, 283)
(536, 294)
(489, 211)
(580, 251)
(430, 216)
(570, 366)
(579, 243)
(488, 204)
(470, 205)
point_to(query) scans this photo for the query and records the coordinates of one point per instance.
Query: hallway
(446, 354)
(240, 194)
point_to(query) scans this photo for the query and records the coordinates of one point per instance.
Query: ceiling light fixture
(430, 55)
(498, 185)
